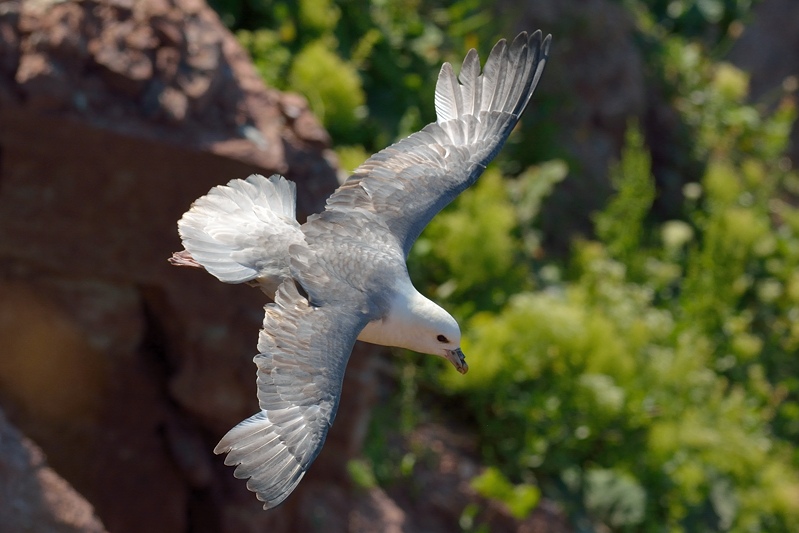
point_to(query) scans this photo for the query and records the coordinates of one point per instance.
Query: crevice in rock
(159, 334)
(203, 512)
(183, 438)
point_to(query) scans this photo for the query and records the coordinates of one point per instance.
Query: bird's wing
(406, 184)
(303, 354)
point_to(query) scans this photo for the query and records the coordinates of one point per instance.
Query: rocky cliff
(114, 117)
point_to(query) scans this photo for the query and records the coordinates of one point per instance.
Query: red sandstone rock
(125, 370)
(33, 498)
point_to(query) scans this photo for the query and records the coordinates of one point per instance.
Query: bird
(342, 275)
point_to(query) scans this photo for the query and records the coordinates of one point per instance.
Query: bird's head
(419, 324)
(440, 335)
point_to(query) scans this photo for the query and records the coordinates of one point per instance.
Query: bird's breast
(377, 332)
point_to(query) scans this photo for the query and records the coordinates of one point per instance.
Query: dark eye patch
(442, 338)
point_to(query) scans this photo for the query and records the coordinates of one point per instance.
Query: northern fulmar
(341, 275)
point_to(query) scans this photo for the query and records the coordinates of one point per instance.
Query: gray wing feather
(470, 88)
(303, 354)
(448, 100)
(406, 184)
(494, 75)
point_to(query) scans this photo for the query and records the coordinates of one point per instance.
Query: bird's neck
(409, 315)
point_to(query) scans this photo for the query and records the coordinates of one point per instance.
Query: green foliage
(318, 17)
(479, 252)
(361, 474)
(269, 55)
(616, 498)
(654, 389)
(521, 499)
(527, 192)
(340, 55)
(332, 86)
(615, 401)
(715, 21)
(475, 245)
(711, 97)
(621, 224)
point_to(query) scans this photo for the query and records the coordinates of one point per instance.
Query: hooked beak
(457, 358)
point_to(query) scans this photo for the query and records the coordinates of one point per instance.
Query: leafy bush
(650, 384)
(712, 20)
(639, 411)
(653, 389)
(521, 499)
(332, 87)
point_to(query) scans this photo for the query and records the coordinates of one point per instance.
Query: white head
(438, 334)
(416, 323)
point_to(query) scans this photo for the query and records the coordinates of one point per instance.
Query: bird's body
(341, 276)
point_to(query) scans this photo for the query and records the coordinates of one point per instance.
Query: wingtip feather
(448, 95)
(506, 85)
(270, 467)
(471, 87)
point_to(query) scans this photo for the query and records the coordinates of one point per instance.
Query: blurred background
(625, 273)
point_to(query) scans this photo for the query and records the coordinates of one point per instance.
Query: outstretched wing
(409, 182)
(303, 354)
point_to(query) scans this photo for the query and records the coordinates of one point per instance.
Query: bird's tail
(240, 232)
(474, 106)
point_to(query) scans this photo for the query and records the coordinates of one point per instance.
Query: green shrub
(332, 86)
(268, 53)
(612, 397)
(654, 389)
(520, 499)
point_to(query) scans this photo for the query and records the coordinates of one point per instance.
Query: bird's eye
(442, 338)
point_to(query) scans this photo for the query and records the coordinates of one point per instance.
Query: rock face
(595, 74)
(114, 116)
(33, 498)
(160, 69)
(764, 50)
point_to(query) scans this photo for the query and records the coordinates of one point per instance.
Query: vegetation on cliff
(649, 379)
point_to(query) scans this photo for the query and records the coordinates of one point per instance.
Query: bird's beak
(457, 358)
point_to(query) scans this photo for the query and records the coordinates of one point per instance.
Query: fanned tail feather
(241, 231)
